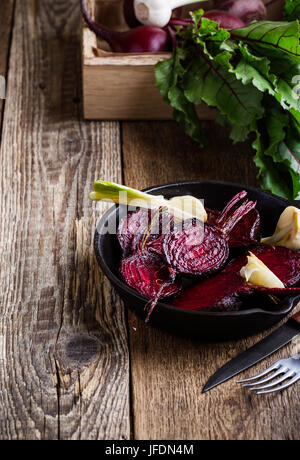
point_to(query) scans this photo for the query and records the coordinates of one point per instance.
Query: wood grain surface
(67, 370)
(169, 373)
(64, 364)
(6, 15)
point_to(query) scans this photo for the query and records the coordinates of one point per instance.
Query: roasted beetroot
(197, 250)
(283, 262)
(141, 228)
(230, 205)
(149, 275)
(220, 293)
(157, 252)
(203, 249)
(156, 245)
(225, 290)
(246, 232)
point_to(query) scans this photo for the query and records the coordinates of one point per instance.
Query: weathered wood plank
(64, 368)
(168, 373)
(6, 15)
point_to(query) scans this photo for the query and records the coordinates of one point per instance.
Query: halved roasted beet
(149, 275)
(203, 249)
(225, 290)
(196, 250)
(142, 227)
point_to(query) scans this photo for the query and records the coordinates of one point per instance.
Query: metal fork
(287, 369)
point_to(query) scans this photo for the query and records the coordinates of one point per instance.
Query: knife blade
(266, 347)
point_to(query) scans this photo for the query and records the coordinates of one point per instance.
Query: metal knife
(266, 347)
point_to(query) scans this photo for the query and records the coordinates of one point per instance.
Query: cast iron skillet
(211, 326)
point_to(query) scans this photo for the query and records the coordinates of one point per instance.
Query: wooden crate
(122, 86)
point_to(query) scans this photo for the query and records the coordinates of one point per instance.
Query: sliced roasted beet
(130, 229)
(203, 249)
(283, 262)
(225, 290)
(142, 227)
(155, 245)
(280, 292)
(196, 250)
(221, 292)
(149, 275)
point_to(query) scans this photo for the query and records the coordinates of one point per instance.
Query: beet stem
(152, 304)
(180, 22)
(230, 205)
(241, 212)
(173, 37)
(104, 33)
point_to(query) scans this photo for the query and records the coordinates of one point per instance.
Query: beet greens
(250, 75)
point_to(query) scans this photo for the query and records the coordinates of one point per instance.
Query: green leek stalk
(120, 194)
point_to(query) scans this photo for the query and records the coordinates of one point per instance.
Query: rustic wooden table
(70, 366)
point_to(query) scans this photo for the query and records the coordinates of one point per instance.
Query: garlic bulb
(189, 205)
(258, 274)
(287, 233)
(157, 13)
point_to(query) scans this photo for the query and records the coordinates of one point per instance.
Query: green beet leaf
(252, 77)
(292, 10)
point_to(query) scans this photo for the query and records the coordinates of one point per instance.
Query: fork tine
(282, 387)
(267, 379)
(275, 382)
(271, 368)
